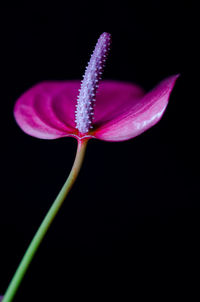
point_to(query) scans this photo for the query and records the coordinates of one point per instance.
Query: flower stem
(37, 239)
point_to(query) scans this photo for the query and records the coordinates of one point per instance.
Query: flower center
(85, 103)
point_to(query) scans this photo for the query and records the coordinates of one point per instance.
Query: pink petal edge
(138, 115)
(47, 110)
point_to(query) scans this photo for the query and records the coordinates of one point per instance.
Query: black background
(133, 216)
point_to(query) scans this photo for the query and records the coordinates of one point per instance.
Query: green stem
(37, 239)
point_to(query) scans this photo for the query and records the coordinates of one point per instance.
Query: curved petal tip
(140, 115)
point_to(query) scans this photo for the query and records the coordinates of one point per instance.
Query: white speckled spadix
(85, 103)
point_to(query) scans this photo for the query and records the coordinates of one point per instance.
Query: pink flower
(118, 111)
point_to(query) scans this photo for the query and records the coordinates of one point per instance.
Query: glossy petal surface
(113, 97)
(135, 114)
(122, 110)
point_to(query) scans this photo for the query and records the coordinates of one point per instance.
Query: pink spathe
(122, 110)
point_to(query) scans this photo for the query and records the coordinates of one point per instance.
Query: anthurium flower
(119, 111)
(1, 297)
(122, 110)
